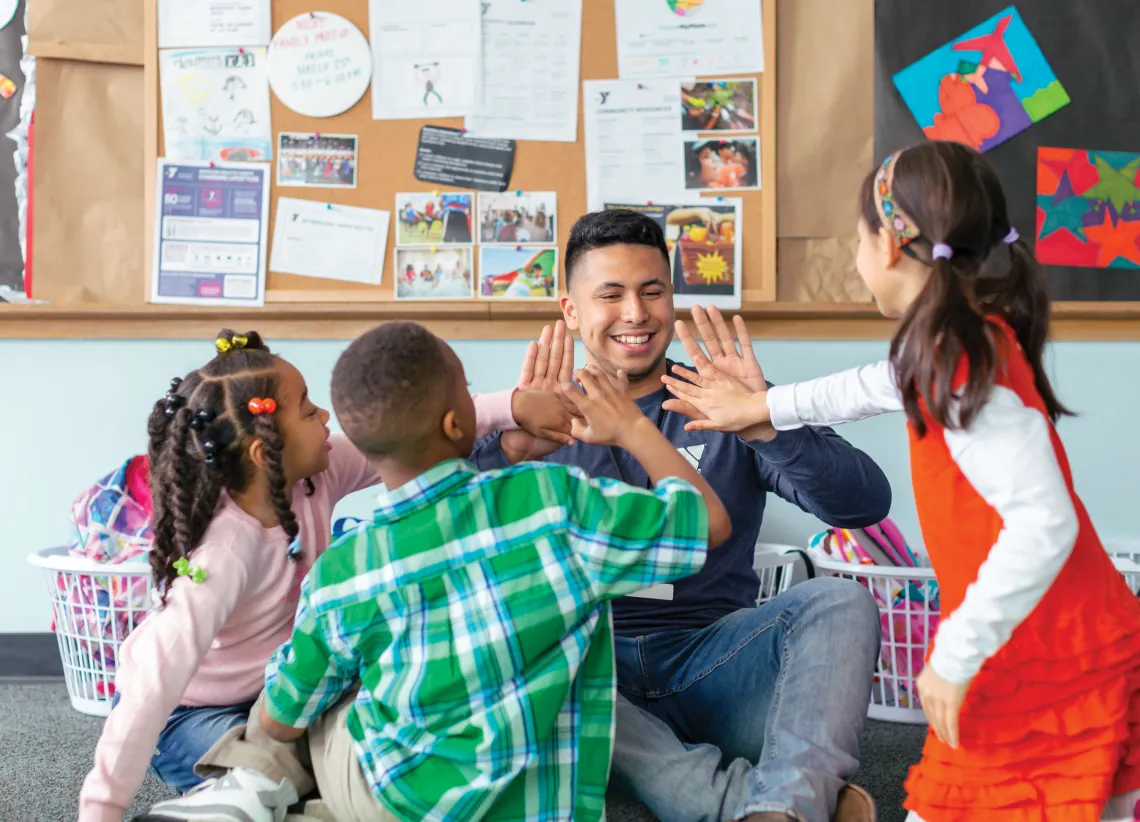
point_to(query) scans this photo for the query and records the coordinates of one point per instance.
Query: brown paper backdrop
(97, 30)
(89, 185)
(88, 162)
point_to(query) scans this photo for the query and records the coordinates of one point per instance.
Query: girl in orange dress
(1032, 686)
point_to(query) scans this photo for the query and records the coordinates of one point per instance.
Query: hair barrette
(202, 418)
(258, 406)
(235, 343)
(185, 569)
(893, 218)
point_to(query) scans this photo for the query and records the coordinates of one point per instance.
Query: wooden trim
(767, 291)
(89, 52)
(485, 320)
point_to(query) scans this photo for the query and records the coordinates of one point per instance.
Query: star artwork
(1088, 208)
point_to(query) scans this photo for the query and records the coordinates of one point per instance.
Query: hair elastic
(262, 406)
(235, 343)
(941, 251)
(1012, 237)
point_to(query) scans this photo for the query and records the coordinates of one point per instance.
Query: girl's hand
(722, 348)
(715, 400)
(942, 703)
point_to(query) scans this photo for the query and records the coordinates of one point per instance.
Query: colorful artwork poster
(984, 87)
(435, 218)
(518, 273)
(1088, 208)
(704, 246)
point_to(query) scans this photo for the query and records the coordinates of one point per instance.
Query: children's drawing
(428, 74)
(215, 104)
(1088, 208)
(984, 87)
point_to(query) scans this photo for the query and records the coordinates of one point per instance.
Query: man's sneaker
(854, 805)
(241, 795)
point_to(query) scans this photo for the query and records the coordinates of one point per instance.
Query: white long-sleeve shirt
(1007, 455)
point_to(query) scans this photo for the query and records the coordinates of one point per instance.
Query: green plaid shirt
(474, 611)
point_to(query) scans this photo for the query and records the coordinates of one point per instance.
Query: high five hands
(728, 391)
(543, 415)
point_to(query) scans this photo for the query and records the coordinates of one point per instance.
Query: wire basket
(775, 565)
(95, 606)
(1126, 558)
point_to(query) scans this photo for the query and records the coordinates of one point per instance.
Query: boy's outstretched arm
(607, 416)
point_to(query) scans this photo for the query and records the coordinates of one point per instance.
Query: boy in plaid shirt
(472, 612)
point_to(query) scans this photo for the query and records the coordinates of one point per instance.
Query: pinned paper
(431, 218)
(434, 274)
(316, 160)
(518, 273)
(984, 87)
(319, 66)
(722, 106)
(313, 239)
(518, 218)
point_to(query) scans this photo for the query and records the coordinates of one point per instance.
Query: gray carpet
(48, 747)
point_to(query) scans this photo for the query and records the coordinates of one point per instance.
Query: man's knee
(842, 607)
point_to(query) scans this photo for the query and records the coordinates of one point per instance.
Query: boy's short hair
(388, 385)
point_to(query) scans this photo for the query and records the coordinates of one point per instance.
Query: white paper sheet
(531, 58)
(334, 242)
(634, 150)
(211, 228)
(215, 104)
(213, 23)
(425, 58)
(677, 38)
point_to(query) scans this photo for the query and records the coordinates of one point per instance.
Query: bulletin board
(387, 150)
(1091, 49)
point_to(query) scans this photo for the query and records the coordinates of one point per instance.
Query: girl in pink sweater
(244, 478)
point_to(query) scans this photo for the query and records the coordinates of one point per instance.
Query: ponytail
(941, 326)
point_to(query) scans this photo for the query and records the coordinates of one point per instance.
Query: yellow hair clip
(234, 343)
(223, 345)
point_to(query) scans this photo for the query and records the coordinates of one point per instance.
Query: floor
(48, 748)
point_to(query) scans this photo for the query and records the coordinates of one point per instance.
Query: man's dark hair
(388, 386)
(618, 226)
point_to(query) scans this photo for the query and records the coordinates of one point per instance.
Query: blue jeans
(189, 733)
(761, 711)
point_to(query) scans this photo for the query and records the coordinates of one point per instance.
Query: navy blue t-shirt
(813, 468)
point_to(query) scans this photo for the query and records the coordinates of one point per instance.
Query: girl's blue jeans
(189, 733)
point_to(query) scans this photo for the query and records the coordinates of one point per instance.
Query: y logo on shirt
(693, 454)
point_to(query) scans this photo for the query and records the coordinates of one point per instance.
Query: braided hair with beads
(198, 435)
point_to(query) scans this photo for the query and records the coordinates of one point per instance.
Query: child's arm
(158, 661)
(717, 401)
(1008, 456)
(607, 416)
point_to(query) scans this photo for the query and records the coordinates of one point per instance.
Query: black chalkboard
(1093, 46)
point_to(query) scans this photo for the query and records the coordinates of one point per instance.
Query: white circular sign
(8, 11)
(319, 64)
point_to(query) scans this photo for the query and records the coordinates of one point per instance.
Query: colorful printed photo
(442, 274)
(518, 273)
(434, 218)
(714, 165)
(984, 87)
(1088, 208)
(718, 105)
(704, 246)
(316, 160)
(518, 217)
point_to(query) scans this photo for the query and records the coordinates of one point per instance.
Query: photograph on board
(442, 274)
(433, 217)
(704, 244)
(313, 160)
(518, 273)
(518, 217)
(714, 165)
(718, 105)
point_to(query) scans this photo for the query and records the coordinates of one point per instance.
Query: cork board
(387, 150)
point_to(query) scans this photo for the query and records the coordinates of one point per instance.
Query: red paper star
(1082, 174)
(1115, 240)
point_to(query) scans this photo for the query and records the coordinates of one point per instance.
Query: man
(727, 711)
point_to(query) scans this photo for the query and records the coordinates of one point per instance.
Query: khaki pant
(327, 763)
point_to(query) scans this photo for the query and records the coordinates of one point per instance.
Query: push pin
(462, 131)
(719, 198)
(433, 249)
(435, 192)
(241, 50)
(317, 135)
(640, 87)
(649, 202)
(518, 192)
(211, 164)
(518, 248)
(329, 206)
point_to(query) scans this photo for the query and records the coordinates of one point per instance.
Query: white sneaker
(242, 795)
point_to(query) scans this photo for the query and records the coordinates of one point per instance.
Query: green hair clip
(185, 569)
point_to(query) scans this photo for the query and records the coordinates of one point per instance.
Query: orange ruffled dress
(1050, 728)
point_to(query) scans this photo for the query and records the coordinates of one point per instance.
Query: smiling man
(726, 710)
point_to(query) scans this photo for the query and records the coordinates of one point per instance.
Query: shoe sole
(854, 805)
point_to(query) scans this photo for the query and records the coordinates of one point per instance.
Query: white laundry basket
(95, 606)
(776, 566)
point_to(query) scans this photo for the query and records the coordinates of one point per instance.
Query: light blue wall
(71, 411)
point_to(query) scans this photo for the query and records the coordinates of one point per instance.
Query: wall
(71, 412)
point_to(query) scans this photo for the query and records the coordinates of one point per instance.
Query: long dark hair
(198, 434)
(954, 197)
